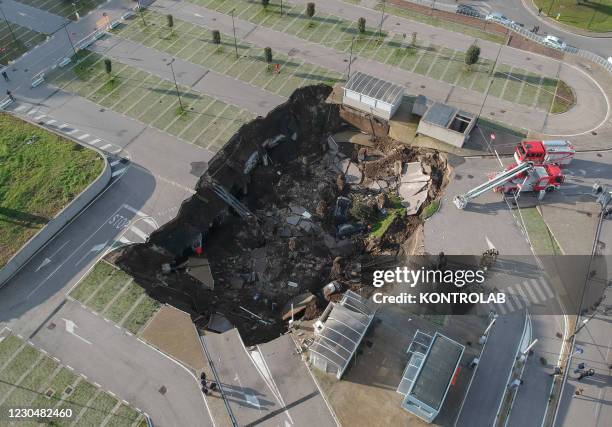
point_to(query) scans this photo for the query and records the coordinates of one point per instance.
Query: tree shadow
(21, 218)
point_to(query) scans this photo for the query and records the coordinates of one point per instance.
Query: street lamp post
(234, 29)
(8, 24)
(141, 14)
(348, 76)
(382, 18)
(68, 35)
(178, 94)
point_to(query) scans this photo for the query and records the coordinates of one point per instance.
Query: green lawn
(13, 47)
(541, 238)
(592, 15)
(113, 294)
(28, 377)
(65, 8)
(41, 173)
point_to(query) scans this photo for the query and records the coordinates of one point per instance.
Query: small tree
(265, 3)
(268, 55)
(170, 19)
(216, 37)
(310, 9)
(471, 56)
(108, 66)
(361, 25)
(362, 212)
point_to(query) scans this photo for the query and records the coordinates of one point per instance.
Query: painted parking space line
(115, 163)
(95, 141)
(40, 117)
(72, 132)
(20, 108)
(50, 122)
(106, 147)
(118, 172)
(134, 210)
(84, 136)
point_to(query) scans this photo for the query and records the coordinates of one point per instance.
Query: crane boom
(462, 200)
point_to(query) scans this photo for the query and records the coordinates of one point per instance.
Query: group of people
(207, 386)
(8, 92)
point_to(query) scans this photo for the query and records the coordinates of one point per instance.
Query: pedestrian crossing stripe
(519, 295)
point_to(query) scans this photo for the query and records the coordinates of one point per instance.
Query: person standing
(5, 75)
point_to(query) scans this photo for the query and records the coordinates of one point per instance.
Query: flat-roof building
(432, 366)
(444, 122)
(372, 95)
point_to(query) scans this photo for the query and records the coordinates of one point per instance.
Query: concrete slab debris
(218, 323)
(413, 203)
(413, 172)
(293, 219)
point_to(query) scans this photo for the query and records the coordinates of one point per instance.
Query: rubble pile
(285, 219)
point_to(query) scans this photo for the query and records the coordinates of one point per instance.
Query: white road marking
(32, 111)
(139, 232)
(73, 131)
(115, 163)
(96, 248)
(134, 210)
(50, 122)
(106, 147)
(40, 117)
(531, 293)
(20, 108)
(546, 288)
(83, 137)
(489, 243)
(118, 172)
(536, 286)
(124, 240)
(64, 125)
(70, 328)
(95, 141)
(42, 264)
(151, 222)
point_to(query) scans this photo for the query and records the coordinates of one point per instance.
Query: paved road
(267, 386)
(29, 17)
(97, 347)
(524, 12)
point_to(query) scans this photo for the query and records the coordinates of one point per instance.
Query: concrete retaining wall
(60, 220)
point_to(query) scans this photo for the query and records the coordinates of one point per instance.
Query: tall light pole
(348, 76)
(234, 28)
(382, 18)
(68, 35)
(433, 6)
(281, 7)
(178, 94)
(8, 24)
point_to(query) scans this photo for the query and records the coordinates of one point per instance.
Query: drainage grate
(50, 392)
(68, 390)
(51, 326)
(162, 390)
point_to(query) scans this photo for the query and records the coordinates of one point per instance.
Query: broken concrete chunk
(292, 284)
(293, 219)
(273, 142)
(331, 143)
(306, 225)
(251, 162)
(412, 172)
(353, 174)
(409, 189)
(413, 203)
(298, 210)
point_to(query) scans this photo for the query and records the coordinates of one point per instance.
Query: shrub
(268, 55)
(310, 9)
(170, 20)
(361, 24)
(216, 37)
(108, 66)
(471, 56)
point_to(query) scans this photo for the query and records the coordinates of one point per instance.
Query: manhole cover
(593, 133)
(68, 390)
(292, 52)
(50, 392)
(162, 390)
(502, 111)
(51, 326)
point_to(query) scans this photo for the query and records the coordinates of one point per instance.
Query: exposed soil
(299, 237)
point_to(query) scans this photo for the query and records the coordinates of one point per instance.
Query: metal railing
(603, 62)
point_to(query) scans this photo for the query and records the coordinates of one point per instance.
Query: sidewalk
(29, 17)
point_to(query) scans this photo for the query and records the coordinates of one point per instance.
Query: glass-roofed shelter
(432, 366)
(339, 332)
(372, 95)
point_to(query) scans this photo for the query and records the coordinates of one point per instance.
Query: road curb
(62, 218)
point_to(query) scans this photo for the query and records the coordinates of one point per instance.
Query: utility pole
(433, 6)
(382, 18)
(348, 76)
(68, 35)
(491, 73)
(178, 94)
(234, 28)
(140, 13)
(281, 7)
(550, 7)
(8, 24)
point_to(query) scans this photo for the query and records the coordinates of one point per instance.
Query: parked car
(499, 18)
(554, 41)
(468, 9)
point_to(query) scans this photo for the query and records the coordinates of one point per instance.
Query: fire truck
(559, 152)
(537, 169)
